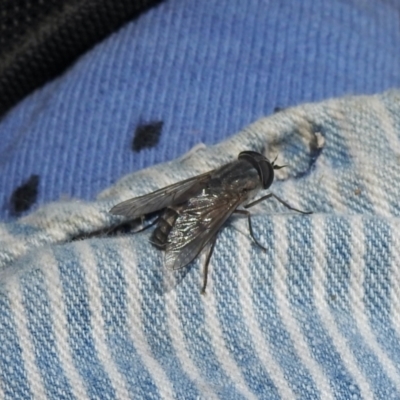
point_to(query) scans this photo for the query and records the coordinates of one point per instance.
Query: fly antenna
(277, 166)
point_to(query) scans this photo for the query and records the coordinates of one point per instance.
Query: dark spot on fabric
(25, 195)
(278, 109)
(147, 135)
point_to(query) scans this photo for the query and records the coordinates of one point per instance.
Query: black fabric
(40, 38)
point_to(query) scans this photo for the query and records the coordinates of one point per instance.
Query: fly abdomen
(165, 223)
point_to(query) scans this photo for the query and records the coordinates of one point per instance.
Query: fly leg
(247, 213)
(205, 272)
(287, 205)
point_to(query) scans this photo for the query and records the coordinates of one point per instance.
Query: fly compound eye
(267, 176)
(264, 168)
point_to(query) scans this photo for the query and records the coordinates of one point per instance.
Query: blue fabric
(316, 316)
(205, 68)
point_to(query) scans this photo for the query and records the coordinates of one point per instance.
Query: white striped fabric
(315, 316)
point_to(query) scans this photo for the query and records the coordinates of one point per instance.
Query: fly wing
(170, 195)
(198, 222)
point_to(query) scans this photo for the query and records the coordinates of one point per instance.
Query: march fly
(193, 211)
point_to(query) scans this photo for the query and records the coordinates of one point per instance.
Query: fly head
(264, 167)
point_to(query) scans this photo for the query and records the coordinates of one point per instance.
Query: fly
(194, 210)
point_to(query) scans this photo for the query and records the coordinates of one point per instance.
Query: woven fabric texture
(316, 316)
